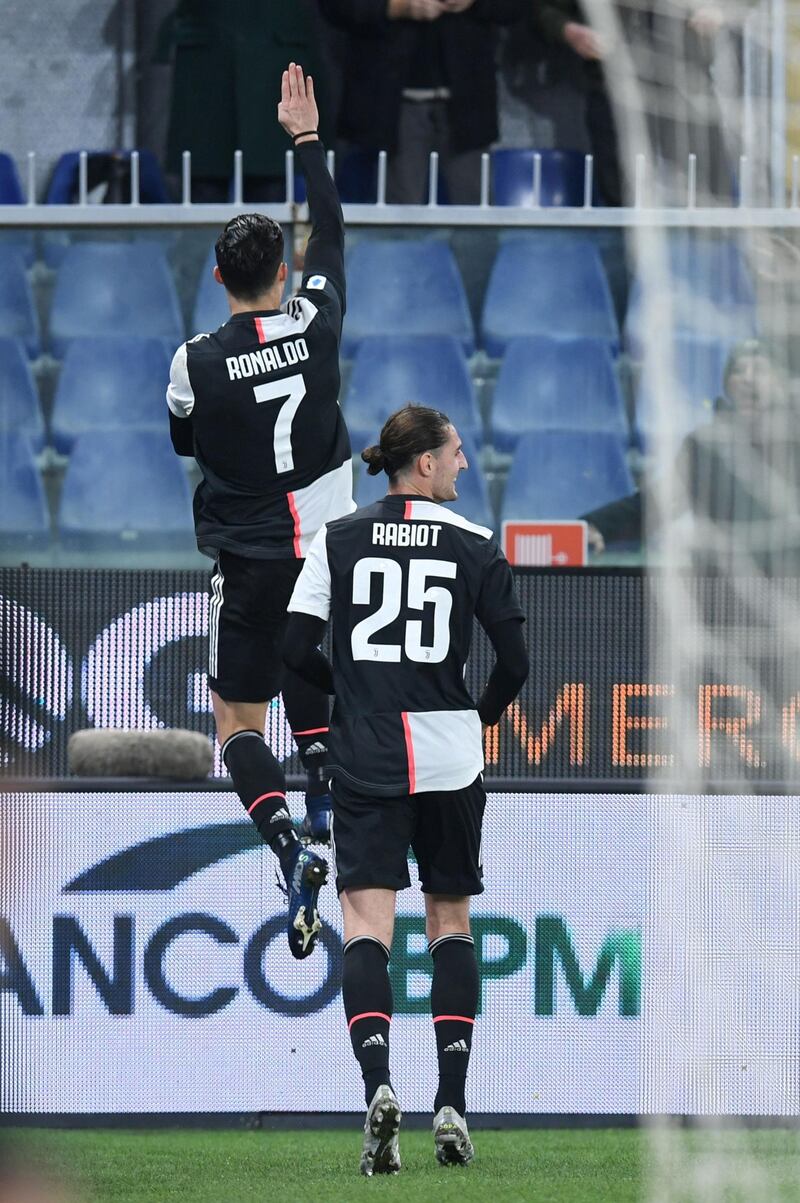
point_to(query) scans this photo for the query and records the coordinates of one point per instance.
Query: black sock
(367, 995)
(260, 783)
(307, 711)
(454, 1001)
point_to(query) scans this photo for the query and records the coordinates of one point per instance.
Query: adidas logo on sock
(282, 814)
(376, 1041)
(458, 1046)
(316, 749)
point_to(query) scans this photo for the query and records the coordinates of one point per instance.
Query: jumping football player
(256, 404)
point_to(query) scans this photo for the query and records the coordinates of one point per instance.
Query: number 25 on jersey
(414, 594)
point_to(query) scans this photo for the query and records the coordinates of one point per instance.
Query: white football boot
(451, 1138)
(381, 1152)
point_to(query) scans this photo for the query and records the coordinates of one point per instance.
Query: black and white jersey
(261, 395)
(400, 582)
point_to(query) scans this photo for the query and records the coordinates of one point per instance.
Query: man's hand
(297, 111)
(584, 41)
(597, 543)
(416, 10)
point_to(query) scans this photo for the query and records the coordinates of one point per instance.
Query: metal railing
(742, 214)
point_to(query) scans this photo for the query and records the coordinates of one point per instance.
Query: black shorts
(247, 624)
(372, 836)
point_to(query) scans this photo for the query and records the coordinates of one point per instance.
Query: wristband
(305, 134)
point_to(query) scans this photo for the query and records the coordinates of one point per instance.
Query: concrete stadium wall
(65, 78)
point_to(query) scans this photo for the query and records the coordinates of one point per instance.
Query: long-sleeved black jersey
(261, 395)
(400, 582)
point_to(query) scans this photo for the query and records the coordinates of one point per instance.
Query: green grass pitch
(543, 1166)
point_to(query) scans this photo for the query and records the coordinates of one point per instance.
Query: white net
(696, 97)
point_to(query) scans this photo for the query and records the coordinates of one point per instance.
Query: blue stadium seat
(698, 365)
(18, 316)
(388, 372)
(24, 518)
(23, 242)
(108, 288)
(125, 490)
(563, 474)
(538, 287)
(56, 242)
(20, 410)
(63, 185)
(712, 263)
(549, 384)
(562, 177)
(405, 287)
(473, 495)
(710, 289)
(210, 307)
(357, 176)
(110, 382)
(10, 185)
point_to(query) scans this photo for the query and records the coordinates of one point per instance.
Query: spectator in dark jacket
(738, 476)
(228, 62)
(428, 67)
(671, 44)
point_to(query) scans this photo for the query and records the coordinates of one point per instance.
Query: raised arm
(297, 113)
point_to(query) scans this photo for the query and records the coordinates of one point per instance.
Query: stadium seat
(563, 474)
(63, 186)
(210, 306)
(388, 372)
(557, 288)
(20, 410)
(125, 490)
(712, 263)
(562, 177)
(709, 290)
(549, 383)
(24, 518)
(405, 287)
(18, 316)
(698, 365)
(473, 495)
(10, 185)
(56, 242)
(108, 288)
(357, 176)
(110, 382)
(21, 241)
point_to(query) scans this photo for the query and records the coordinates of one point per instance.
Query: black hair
(249, 252)
(409, 432)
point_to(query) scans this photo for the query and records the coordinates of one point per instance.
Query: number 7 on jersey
(293, 388)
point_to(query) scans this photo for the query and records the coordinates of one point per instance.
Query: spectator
(739, 477)
(671, 46)
(226, 86)
(429, 68)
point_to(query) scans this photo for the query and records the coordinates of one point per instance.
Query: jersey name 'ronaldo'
(261, 395)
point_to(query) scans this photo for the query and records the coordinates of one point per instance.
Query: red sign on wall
(550, 544)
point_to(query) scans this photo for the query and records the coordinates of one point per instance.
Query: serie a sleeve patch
(317, 282)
